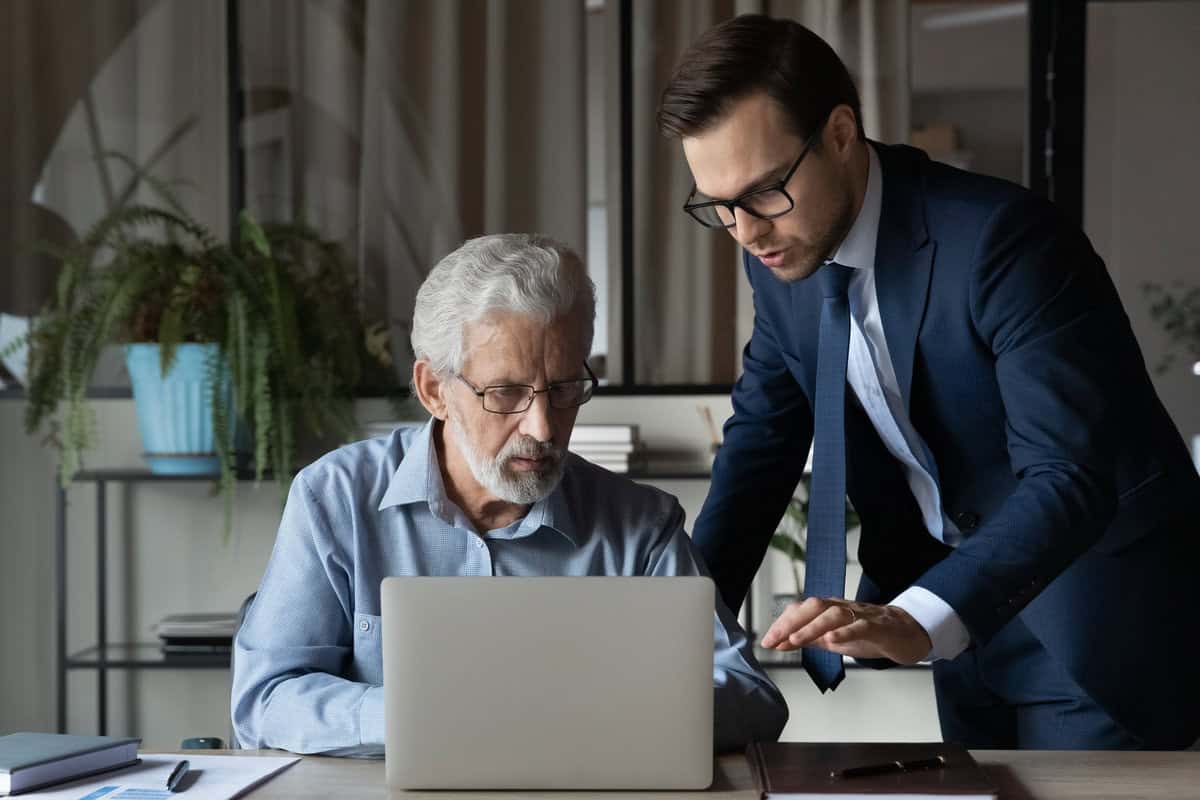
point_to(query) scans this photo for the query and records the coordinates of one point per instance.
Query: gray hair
(527, 274)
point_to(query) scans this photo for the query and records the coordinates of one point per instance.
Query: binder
(795, 770)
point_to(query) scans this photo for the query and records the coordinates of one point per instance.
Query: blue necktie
(825, 560)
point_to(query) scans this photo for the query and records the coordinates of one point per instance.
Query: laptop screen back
(548, 682)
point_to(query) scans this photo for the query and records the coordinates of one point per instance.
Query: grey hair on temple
(527, 274)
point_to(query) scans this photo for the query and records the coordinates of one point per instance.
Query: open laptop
(548, 683)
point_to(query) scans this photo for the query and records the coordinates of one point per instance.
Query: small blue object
(174, 411)
(96, 795)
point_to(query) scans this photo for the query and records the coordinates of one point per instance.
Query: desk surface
(1020, 775)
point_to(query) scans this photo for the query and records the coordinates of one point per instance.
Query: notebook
(32, 760)
(806, 770)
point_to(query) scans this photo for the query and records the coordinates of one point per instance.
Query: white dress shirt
(872, 377)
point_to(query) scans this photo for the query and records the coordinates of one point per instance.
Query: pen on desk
(888, 767)
(177, 775)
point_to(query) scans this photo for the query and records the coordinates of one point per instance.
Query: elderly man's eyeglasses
(514, 398)
(768, 202)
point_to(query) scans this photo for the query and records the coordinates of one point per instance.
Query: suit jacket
(1055, 457)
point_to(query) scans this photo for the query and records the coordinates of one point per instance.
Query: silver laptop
(548, 683)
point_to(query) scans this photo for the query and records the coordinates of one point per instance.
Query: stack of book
(614, 447)
(197, 633)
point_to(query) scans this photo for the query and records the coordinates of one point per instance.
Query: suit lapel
(903, 260)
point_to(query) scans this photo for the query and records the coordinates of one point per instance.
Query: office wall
(1142, 166)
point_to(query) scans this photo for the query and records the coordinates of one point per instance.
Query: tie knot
(834, 279)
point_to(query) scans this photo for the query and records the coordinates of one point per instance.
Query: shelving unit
(105, 655)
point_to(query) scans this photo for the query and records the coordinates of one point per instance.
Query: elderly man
(501, 331)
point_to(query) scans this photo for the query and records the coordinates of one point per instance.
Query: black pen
(177, 774)
(888, 767)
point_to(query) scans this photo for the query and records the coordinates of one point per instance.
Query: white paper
(208, 778)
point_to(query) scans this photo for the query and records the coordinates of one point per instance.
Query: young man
(501, 331)
(961, 358)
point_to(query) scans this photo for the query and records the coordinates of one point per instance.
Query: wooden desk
(1020, 775)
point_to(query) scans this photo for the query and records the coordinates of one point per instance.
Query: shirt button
(364, 625)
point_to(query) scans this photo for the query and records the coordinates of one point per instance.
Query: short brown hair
(751, 53)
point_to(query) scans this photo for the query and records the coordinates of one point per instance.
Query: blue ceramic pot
(175, 412)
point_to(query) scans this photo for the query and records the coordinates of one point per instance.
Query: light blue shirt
(872, 377)
(308, 673)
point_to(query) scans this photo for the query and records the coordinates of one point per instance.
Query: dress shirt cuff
(945, 629)
(370, 717)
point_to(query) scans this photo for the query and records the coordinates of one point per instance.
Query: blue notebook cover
(32, 760)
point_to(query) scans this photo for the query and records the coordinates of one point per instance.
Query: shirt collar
(418, 479)
(858, 248)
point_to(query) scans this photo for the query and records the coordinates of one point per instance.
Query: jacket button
(966, 520)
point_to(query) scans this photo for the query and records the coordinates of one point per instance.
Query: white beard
(523, 488)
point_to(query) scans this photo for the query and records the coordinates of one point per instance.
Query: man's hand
(859, 630)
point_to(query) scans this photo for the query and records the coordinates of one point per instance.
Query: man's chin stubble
(790, 273)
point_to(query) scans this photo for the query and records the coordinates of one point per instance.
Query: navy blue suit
(1055, 457)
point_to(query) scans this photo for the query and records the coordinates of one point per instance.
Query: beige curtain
(872, 38)
(142, 78)
(684, 275)
(402, 127)
(693, 307)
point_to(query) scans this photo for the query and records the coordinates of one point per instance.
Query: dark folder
(812, 770)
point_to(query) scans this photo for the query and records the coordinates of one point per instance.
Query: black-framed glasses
(515, 398)
(769, 202)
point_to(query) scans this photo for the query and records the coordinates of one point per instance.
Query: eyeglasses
(768, 202)
(515, 398)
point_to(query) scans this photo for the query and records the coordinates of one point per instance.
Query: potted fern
(261, 337)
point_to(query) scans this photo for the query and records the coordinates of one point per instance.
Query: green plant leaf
(280, 301)
(788, 546)
(170, 335)
(253, 235)
(264, 412)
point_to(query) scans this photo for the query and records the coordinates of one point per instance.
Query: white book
(604, 433)
(602, 448)
(612, 464)
(607, 461)
(197, 625)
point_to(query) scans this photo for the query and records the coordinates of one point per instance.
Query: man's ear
(842, 128)
(429, 389)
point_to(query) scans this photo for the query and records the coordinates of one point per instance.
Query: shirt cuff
(370, 717)
(945, 629)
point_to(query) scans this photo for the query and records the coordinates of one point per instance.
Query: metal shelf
(143, 655)
(105, 655)
(644, 472)
(141, 474)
